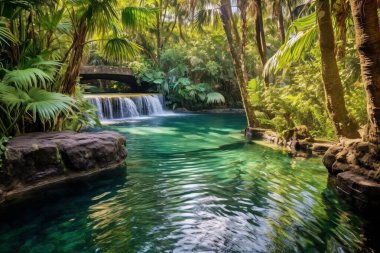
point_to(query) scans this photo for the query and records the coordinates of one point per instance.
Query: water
(114, 108)
(191, 185)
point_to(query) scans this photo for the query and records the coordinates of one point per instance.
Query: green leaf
(26, 78)
(215, 98)
(120, 50)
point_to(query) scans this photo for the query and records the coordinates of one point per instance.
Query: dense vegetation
(287, 63)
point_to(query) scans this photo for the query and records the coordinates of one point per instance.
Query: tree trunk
(73, 69)
(260, 35)
(367, 34)
(158, 35)
(289, 5)
(341, 17)
(238, 62)
(280, 21)
(344, 127)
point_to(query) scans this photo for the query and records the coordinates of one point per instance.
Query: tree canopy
(287, 63)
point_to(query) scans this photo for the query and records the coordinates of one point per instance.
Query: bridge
(120, 74)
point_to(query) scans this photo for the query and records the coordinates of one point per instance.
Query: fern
(215, 98)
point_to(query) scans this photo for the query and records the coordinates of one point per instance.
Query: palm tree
(236, 40)
(279, 16)
(367, 33)
(305, 35)
(90, 16)
(237, 46)
(333, 88)
(341, 10)
(259, 31)
(27, 76)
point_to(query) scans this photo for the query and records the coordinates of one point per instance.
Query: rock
(320, 148)
(36, 157)
(330, 157)
(356, 165)
(297, 133)
(363, 193)
(256, 133)
(181, 110)
(297, 140)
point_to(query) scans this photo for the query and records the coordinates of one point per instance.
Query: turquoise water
(191, 184)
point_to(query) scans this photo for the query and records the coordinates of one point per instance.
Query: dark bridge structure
(120, 74)
(124, 75)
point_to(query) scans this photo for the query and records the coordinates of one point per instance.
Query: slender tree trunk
(238, 62)
(367, 34)
(288, 4)
(260, 35)
(341, 17)
(180, 24)
(333, 88)
(244, 30)
(280, 21)
(73, 69)
(158, 36)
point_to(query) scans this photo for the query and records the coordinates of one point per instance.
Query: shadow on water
(370, 220)
(33, 203)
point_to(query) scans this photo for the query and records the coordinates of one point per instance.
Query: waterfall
(153, 105)
(98, 104)
(112, 107)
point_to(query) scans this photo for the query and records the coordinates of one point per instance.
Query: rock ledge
(356, 166)
(36, 160)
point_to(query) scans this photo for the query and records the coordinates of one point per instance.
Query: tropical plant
(3, 144)
(26, 102)
(99, 16)
(83, 116)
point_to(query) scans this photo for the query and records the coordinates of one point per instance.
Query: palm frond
(13, 98)
(206, 17)
(48, 105)
(26, 78)
(6, 36)
(134, 17)
(301, 37)
(301, 24)
(120, 49)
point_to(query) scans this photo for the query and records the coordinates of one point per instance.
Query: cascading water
(109, 108)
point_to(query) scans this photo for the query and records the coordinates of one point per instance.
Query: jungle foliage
(263, 56)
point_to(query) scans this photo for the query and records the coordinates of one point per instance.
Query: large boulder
(356, 165)
(37, 157)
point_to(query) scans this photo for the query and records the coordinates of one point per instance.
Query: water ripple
(194, 186)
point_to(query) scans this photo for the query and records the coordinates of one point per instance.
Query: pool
(191, 184)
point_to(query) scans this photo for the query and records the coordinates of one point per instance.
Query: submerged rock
(36, 159)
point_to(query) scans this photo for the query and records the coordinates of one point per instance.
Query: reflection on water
(191, 185)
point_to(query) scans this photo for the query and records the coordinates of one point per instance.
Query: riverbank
(352, 164)
(297, 141)
(39, 160)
